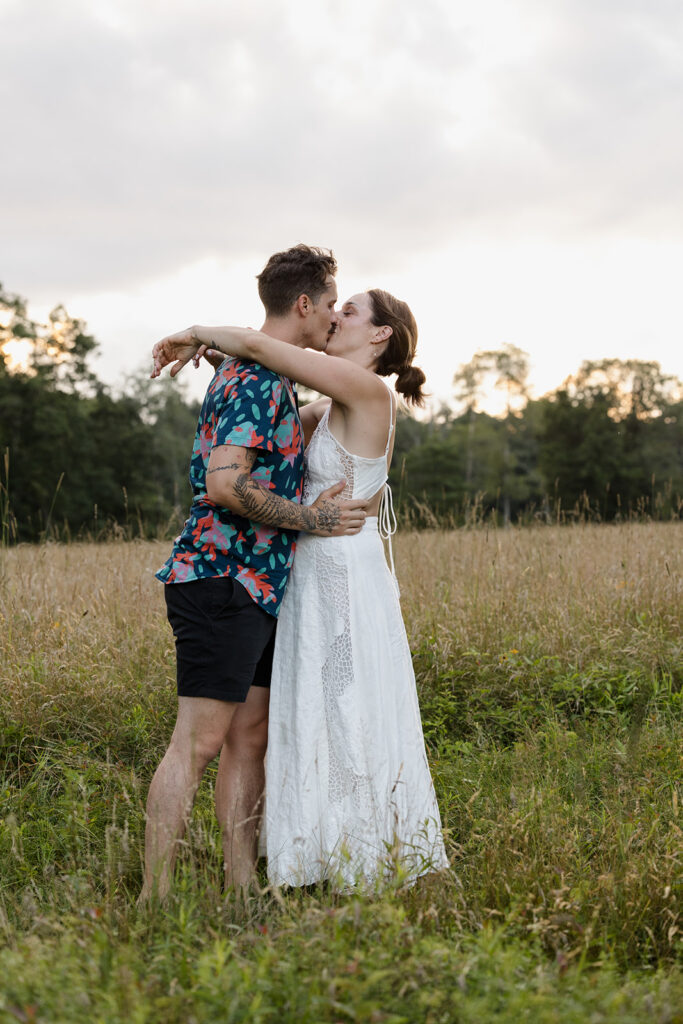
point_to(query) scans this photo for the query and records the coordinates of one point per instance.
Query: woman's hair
(301, 270)
(399, 353)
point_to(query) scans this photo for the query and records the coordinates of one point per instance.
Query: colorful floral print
(249, 406)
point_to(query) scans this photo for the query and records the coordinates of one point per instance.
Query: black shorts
(224, 641)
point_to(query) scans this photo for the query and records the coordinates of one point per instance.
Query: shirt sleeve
(247, 411)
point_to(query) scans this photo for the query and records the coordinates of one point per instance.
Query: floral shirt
(249, 406)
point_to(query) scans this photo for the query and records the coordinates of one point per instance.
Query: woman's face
(355, 329)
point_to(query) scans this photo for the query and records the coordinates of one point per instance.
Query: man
(228, 569)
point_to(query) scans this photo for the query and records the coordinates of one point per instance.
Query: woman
(349, 797)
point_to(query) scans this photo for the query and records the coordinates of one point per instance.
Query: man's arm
(229, 483)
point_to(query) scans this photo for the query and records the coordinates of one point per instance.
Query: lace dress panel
(337, 676)
(347, 463)
(312, 486)
(325, 460)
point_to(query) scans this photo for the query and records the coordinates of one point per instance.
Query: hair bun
(409, 384)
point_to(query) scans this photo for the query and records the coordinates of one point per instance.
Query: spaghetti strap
(391, 423)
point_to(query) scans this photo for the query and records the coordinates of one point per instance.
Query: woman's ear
(383, 334)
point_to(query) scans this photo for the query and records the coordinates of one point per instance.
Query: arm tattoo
(271, 509)
(264, 506)
(328, 516)
(228, 465)
(249, 460)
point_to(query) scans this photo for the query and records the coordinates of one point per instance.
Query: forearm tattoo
(264, 506)
(273, 510)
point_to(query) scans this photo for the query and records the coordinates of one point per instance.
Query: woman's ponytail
(399, 352)
(409, 384)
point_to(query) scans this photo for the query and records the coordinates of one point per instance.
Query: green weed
(551, 704)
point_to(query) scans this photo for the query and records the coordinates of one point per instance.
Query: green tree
(511, 368)
(580, 450)
(609, 434)
(56, 352)
(467, 383)
(80, 457)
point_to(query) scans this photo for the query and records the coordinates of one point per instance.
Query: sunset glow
(16, 354)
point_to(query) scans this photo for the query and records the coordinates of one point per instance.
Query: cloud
(143, 140)
(601, 101)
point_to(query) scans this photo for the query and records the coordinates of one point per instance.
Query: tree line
(78, 459)
(606, 444)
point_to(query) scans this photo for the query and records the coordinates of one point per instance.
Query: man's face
(322, 320)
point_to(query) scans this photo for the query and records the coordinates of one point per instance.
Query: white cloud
(159, 138)
(143, 142)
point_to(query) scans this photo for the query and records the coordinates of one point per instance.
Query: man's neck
(284, 329)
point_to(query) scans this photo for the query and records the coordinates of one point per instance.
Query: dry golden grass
(570, 592)
(85, 641)
(86, 622)
(86, 652)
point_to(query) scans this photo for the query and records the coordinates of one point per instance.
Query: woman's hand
(211, 355)
(178, 349)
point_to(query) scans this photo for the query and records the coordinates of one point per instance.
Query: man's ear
(303, 305)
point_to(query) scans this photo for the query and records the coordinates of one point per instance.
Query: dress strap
(391, 422)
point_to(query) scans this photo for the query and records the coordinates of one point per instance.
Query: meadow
(549, 663)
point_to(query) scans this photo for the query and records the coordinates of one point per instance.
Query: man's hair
(301, 270)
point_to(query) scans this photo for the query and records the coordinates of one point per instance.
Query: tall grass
(549, 664)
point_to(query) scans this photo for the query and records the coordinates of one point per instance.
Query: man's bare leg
(201, 729)
(240, 785)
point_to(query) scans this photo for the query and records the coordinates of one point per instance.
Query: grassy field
(550, 669)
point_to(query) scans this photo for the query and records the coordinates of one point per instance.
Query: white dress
(349, 796)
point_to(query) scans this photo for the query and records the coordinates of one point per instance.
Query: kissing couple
(330, 692)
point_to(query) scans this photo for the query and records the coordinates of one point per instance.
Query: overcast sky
(511, 168)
